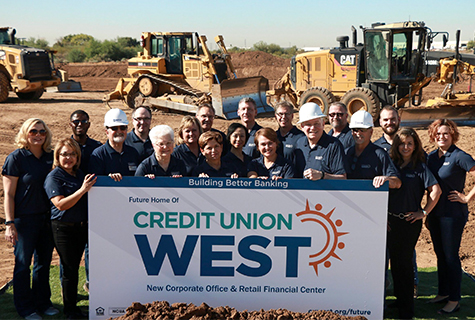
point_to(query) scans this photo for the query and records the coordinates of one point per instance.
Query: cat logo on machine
(348, 60)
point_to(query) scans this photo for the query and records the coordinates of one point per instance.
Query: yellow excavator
(389, 68)
(177, 71)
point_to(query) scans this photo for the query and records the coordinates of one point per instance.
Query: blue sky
(302, 23)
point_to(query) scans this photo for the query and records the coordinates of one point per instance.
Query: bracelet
(424, 212)
(9, 222)
(323, 175)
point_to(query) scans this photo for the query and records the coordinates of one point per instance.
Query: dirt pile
(257, 63)
(162, 310)
(102, 70)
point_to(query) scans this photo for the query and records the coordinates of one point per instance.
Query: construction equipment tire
(4, 85)
(321, 96)
(362, 99)
(33, 95)
(147, 87)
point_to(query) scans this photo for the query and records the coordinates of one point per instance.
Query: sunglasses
(77, 122)
(359, 129)
(123, 128)
(336, 114)
(66, 154)
(35, 132)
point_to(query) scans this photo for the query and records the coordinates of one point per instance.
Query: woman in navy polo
(27, 218)
(269, 164)
(161, 163)
(66, 187)
(211, 145)
(188, 149)
(449, 165)
(237, 136)
(406, 214)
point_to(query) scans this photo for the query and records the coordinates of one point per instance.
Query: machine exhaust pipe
(353, 31)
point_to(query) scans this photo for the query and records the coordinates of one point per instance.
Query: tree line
(85, 48)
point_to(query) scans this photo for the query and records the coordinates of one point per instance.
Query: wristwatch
(9, 222)
(424, 212)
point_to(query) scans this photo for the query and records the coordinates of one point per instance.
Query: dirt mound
(257, 63)
(163, 310)
(101, 70)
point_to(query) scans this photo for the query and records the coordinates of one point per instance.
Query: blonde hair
(186, 122)
(21, 139)
(67, 142)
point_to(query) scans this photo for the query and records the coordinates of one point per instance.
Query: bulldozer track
(183, 87)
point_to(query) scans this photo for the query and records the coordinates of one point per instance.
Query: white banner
(246, 243)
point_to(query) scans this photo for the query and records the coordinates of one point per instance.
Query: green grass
(427, 290)
(7, 309)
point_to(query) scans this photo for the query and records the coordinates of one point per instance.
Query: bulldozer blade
(70, 86)
(227, 94)
(424, 116)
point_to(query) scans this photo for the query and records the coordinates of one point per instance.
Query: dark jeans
(70, 241)
(34, 240)
(446, 234)
(402, 239)
(86, 265)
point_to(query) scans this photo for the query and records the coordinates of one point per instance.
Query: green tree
(470, 44)
(74, 40)
(76, 55)
(35, 43)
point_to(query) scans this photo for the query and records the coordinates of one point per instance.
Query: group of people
(46, 202)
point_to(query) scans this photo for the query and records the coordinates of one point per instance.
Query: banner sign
(245, 243)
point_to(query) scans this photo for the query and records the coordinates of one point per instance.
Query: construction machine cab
(393, 52)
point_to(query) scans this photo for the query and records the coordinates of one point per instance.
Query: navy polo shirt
(225, 171)
(30, 196)
(105, 160)
(383, 143)
(327, 156)
(408, 197)
(240, 167)
(225, 141)
(60, 183)
(281, 168)
(450, 170)
(151, 166)
(250, 148)
(345, 137)
(144, 148)
(86, 151)
(372, 162)
(288, 143)
(184, 153)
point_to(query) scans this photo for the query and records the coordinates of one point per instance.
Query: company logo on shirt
(290, 146)
(318, 157)
(446, 163)
(366, 166)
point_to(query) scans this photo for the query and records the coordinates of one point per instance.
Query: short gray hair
(160, 131)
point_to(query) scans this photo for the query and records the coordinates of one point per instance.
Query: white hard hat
(361, 119)
(115, 117)
(310, 111)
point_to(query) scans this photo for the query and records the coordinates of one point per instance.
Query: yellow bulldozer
(177, 71)
(24, 70)
(389, 68)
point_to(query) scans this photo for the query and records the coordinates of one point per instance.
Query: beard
(390, 131)
(118, 139)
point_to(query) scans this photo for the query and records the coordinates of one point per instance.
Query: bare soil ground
(96, 79)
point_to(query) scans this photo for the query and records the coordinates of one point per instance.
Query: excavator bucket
(227, 94)
(423, 117)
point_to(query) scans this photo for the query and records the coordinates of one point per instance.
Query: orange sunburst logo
(332, 235)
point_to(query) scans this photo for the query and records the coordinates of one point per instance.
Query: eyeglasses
(359, 129)
(123, 128)
(142, 119)
(68, 155)
(77, 122)
(283, 114)
(35, 132)
(336, 114)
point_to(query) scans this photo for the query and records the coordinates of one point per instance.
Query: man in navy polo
(205, 115)
(138, 137)
(389, 121)
(247, 111)
(338, 118)
(79, 123)
(114, 158)
(317, 155)
(288, 134)
(365, 160)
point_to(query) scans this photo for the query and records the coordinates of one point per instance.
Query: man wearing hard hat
(114, 158)
(317, 155)
(365, 160)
